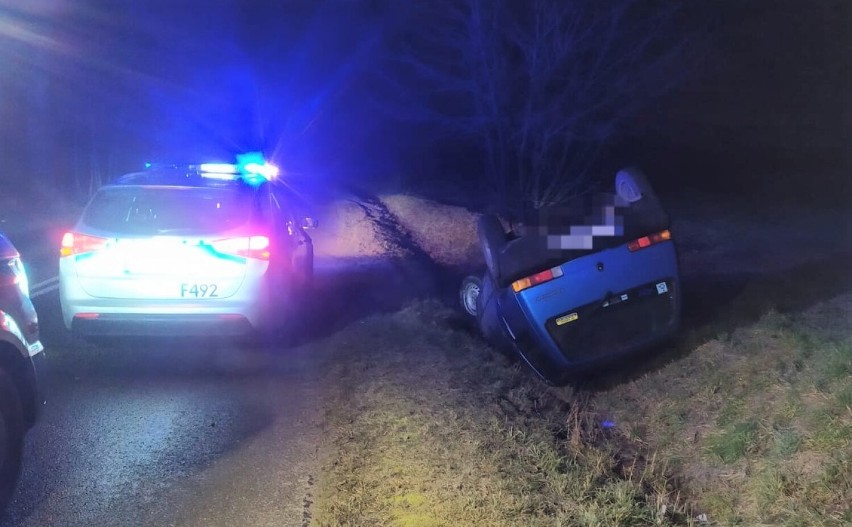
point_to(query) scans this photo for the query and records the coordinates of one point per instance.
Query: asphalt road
(165, 432)
(192, 432)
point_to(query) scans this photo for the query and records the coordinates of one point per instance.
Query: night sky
(107, 85)
(771, 107)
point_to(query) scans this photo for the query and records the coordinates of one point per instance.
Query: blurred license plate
(194, 290)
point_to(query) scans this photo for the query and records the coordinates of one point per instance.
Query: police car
(211, 249)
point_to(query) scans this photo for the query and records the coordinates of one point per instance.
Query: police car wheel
(469, 294)
(11, 437)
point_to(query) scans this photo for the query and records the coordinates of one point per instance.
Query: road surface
(192, 432)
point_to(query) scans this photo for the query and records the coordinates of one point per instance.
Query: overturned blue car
(581, 287)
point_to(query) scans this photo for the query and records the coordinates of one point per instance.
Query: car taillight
(651, 239)
(536, 279)
(248, 246)
(75, 243)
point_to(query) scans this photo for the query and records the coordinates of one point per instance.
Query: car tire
(632, 185)
(492, 240)
(12, 428)
(469, 292)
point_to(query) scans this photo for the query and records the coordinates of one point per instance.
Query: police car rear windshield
(139, 210)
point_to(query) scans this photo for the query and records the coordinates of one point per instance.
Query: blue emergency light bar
(219, 168)
(251, 167)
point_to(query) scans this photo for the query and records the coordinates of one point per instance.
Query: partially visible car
(21, 360)
(207, 249)
(585, 287)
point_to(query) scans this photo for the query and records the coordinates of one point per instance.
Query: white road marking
(44, 282)
(45, 290)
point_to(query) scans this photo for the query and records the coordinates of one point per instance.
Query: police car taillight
(76, 243)
(651, 239)
(248, 246)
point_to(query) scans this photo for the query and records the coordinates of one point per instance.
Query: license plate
(199, 290)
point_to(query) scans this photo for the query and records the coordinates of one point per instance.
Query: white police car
(205, 249)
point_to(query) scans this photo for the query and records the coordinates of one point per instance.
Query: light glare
(266, 170)
(219, 168)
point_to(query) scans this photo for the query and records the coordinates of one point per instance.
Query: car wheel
(469, 293)
(492, 239)
(11, 437)
(632, 185)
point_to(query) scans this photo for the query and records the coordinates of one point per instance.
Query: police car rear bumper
(125, 324)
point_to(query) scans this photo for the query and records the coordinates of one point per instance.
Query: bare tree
(539, 84)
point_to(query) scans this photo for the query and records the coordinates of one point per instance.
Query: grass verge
(756, 423)
(430, 428)
(446, 233)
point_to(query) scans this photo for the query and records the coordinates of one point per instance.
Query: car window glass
(264, 208)
(163, 210)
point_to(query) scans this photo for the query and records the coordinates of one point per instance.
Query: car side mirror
(310, 223)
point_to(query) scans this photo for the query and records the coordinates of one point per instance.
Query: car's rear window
(169, 210)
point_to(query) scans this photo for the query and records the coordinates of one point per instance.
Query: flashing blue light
(608, 424)
(148, 165)
(251, 167)
(254, 179)
(265, 170)
(254, 164)
(249, 158)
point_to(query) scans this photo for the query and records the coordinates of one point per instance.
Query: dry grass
(446, 233)
(758, 424)
(429, 428)
(346, 231)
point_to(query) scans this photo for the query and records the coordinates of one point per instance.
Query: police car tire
(12, 429)
(492, 240)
